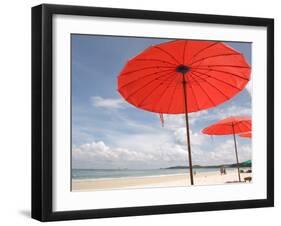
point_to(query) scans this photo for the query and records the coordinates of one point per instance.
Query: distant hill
(242, 164)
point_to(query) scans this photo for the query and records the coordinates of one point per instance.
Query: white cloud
(249, 87)
(218, 114)
(195, 116)
(196, 138)
(173, 121)
(156, 147)
(99, 155)
(224, 153)
(101, 102)
(178, 120)
(208, 152)
(159, 153)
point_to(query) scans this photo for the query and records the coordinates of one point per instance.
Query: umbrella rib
(238, 125)
(164, 51)
(221, 65)
(218, 55)
(213, 86)
(244, 123)
(183, 56)
(202, 50)
(144, 86)
(229, 73)
(160, 84)
(237, 122)
(232, 123)
(172, 97)
(163, 93)
(192, 90)
(209, 76)
(150, 74)
(144, 68)
(203, 89)
(163, 61)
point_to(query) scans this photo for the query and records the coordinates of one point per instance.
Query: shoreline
(174, 180)
(127, 177)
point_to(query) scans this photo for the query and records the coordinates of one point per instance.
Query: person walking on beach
(221, 170)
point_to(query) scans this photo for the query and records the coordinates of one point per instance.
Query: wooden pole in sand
(187, 131)
(236, 153)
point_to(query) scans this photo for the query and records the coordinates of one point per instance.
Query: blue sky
(108, 132)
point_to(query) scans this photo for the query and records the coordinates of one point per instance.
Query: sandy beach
(202, 178)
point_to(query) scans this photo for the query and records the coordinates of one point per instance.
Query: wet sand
(202, 178)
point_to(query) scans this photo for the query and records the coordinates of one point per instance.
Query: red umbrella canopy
(231, 125)
(212, 73)
(246, 135)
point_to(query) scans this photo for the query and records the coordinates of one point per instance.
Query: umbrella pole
(187, 131)
(236, 153)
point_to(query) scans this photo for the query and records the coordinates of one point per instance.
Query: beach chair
(249, 179)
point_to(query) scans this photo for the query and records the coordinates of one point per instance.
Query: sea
(91, 174)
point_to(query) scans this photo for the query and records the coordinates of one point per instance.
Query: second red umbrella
(183, 76)
(230, 126)
(246, 135)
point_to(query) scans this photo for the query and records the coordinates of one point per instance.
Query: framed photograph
(146, 112)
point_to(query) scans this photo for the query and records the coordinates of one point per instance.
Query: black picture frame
(42, 111)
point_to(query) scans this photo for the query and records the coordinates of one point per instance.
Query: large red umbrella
(183, 76)
(230, 126)
(246, 135)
